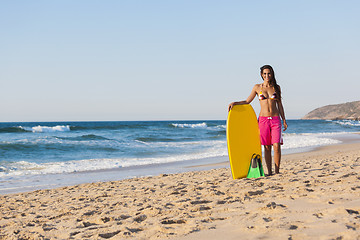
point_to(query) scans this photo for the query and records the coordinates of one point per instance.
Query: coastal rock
(349, 110)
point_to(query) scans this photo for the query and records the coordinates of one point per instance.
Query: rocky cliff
(350, 110)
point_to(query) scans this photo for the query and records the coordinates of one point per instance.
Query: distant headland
(349, 110)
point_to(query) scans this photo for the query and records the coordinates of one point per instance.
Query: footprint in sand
(123, 217)
(170, 221)
(140, 218)
(267, 219)
(200, 202)
(352, 226)
(108, 235)
(318, 215)
(254, 193)
(134, 230)
(293, 227)
(350, 211)
(274, 205)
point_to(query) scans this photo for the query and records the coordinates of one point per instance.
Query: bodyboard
(243, 139)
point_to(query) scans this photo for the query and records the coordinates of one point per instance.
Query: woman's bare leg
(277, 156)
(267, 149)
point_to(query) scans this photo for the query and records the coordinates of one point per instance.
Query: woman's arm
(282, 113)
(247, 101)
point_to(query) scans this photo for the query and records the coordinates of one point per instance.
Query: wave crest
(188, 125)
(352, 123)
(59, 128)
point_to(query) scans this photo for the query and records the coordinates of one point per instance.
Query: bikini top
(262, 96)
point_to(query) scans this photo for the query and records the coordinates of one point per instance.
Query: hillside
(350, 110)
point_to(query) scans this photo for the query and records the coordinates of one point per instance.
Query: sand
(316, 196)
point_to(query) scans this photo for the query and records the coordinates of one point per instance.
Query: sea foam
(59, 128)
(348, 123)
(294, 141)
(188, 125)
(216, 149)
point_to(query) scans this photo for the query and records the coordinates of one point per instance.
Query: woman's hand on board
(231, 105)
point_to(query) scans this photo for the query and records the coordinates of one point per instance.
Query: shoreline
(316, 196)
(50, 181)
(18, 184)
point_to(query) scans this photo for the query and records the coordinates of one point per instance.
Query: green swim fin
(255, 170)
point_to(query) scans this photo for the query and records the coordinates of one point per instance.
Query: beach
(316, 196)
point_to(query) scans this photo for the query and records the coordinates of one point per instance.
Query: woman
(269, 94)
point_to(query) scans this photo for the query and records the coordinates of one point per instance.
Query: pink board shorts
(270, 130)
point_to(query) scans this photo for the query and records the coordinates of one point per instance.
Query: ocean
(50, 154)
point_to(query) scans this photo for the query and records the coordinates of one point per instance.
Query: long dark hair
(273, 82)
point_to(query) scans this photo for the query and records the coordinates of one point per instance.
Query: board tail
(256, 169)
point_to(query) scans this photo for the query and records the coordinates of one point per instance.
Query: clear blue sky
(172, 60)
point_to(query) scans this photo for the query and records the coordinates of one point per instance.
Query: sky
(135, 60)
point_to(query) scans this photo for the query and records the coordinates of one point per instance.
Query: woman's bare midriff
(268, 108)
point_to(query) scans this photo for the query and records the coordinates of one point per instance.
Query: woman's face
(266, 75)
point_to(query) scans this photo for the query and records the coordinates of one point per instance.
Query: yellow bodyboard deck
(243, 139)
